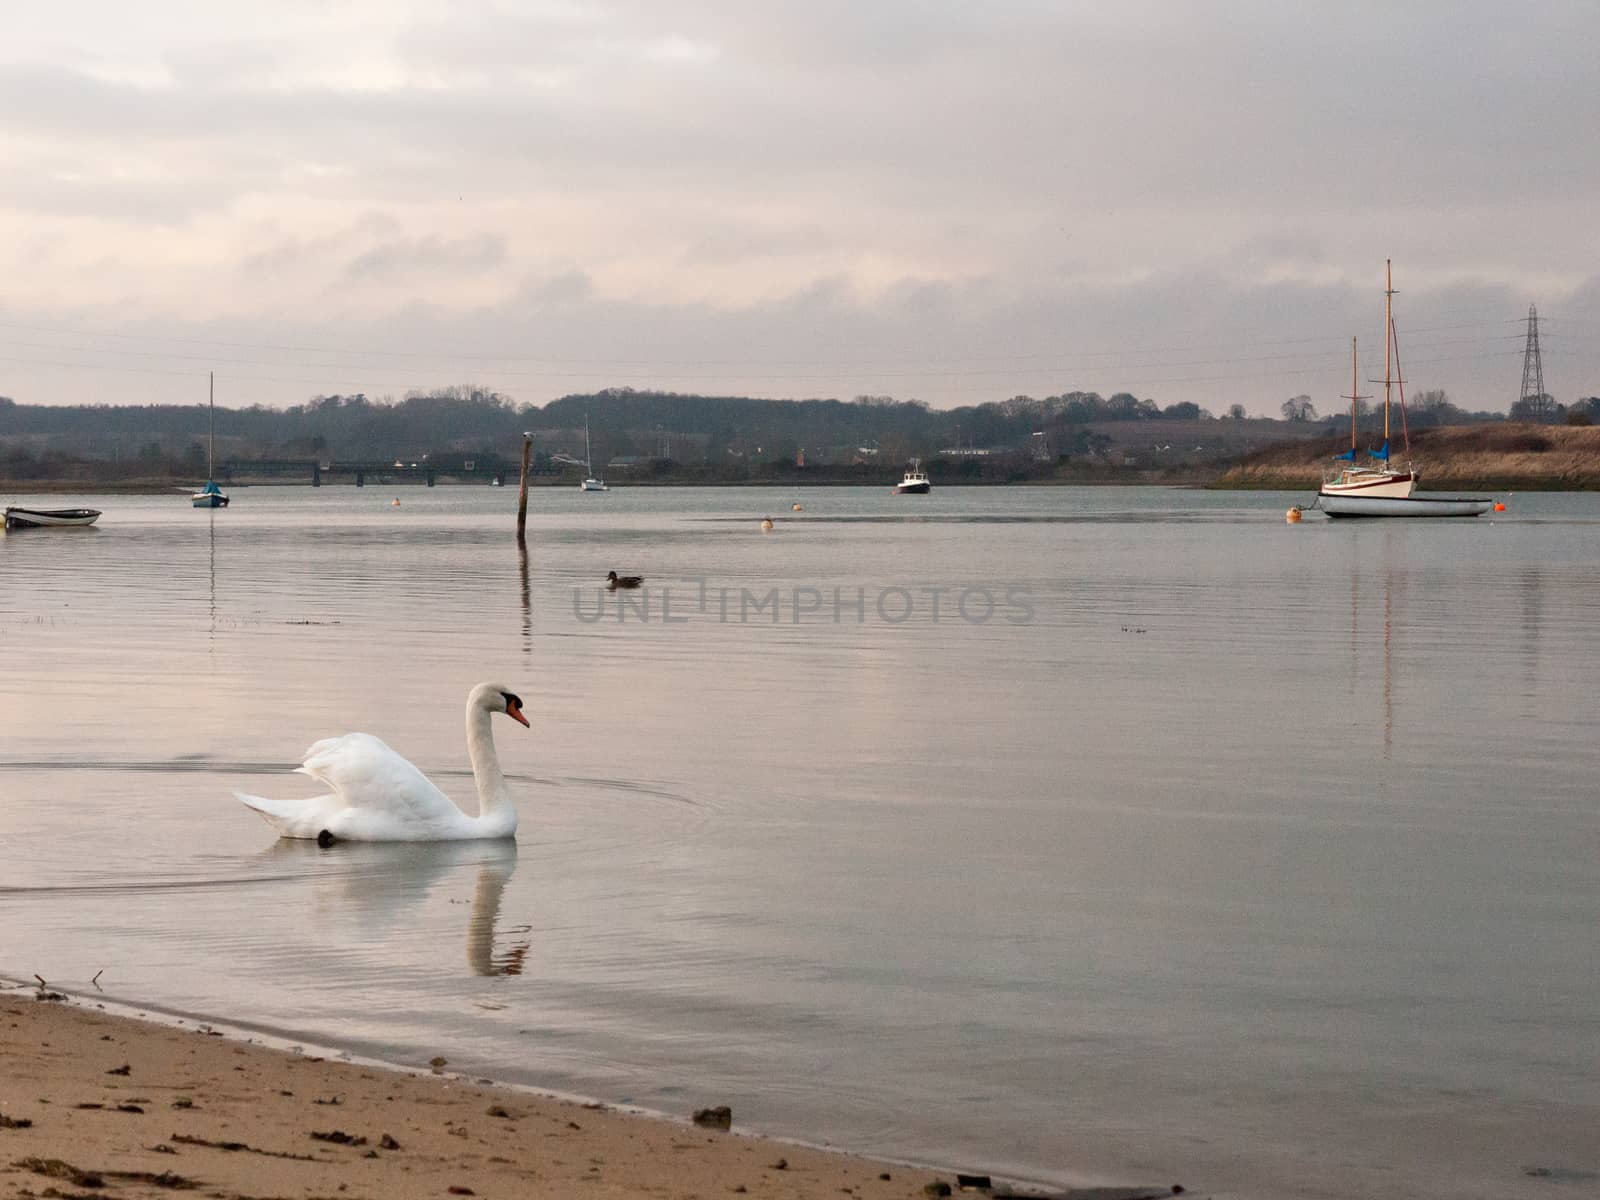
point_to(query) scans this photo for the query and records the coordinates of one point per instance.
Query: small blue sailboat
(210, 496)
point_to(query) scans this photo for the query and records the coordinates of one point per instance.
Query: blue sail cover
(211, 488)
(1349, 455)
(1382, 453)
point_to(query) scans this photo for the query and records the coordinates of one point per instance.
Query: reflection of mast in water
(1388, 690)
(1390, 551)
(527, 601)
(1361, 682)
(212, 535)
(1530, 590)
(1355, 634)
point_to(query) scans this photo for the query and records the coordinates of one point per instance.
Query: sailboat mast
(1388, 333)
(1400, 382)
(1354, 399)
(211, 417)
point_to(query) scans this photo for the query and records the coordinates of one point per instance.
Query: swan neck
(494, 800)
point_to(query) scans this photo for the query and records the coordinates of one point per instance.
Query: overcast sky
(951, 201)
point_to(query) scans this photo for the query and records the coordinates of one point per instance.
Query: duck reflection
(375, 886)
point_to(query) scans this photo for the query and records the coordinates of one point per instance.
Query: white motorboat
(915, 482)
(49, 518)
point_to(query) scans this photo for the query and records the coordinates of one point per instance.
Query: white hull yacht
(590, 483)
(1377, 488)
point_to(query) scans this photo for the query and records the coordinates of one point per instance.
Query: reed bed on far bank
(1485, 457)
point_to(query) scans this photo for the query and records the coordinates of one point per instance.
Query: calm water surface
(1259, 857)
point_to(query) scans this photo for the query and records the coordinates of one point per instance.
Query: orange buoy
(1293, 515)
(797, 507)
(1499, 507)
(395, 503)
(766, 524)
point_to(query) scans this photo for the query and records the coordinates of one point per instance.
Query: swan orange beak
(514, 711)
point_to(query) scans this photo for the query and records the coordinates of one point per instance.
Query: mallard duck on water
(613, 580)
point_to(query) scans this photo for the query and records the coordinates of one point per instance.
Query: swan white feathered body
(379, 796)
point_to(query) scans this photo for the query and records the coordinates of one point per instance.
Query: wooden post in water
(522, 488)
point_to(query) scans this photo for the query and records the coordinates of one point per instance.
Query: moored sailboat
(590, 483)
(210, 496)
(1377, 488)
(1370, 479)
(1361, 480)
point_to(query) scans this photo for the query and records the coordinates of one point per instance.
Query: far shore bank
(1307, 478)
(1499, 456)
(23, 487)
(1456, 458)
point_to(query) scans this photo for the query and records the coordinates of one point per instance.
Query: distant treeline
(624, 422)
(684, 428)
(467, 411)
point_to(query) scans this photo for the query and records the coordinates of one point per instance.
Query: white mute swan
(378, 796)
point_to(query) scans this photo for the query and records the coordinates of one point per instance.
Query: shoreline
(1257, 481)
(47, 487)
(244, 1115)
(1497, 457)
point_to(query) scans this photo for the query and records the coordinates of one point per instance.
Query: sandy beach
(95, 1104)
(139, 1105)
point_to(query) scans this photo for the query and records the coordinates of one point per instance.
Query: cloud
(895, 183)
(414, 260)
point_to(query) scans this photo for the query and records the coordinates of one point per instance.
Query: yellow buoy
(766, 524)
(1293, 515)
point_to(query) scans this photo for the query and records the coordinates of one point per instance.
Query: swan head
(496, 697)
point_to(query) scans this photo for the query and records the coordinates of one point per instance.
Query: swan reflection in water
(375, 886)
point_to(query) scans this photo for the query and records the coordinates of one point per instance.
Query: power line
(1318, 358)
(662, 363)
(669, 377)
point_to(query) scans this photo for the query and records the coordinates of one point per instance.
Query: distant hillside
(1456, 457)
(710, 432)
(662, 437)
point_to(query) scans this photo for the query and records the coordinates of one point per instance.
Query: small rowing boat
(49, 518)
(1401, 506)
